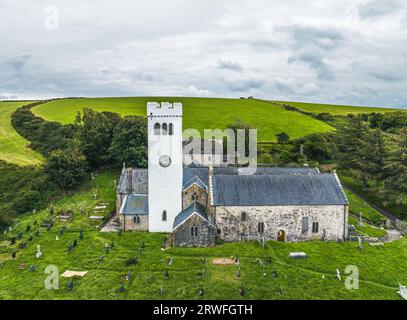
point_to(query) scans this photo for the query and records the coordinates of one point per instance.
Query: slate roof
(278, 189)
(195, 180)
(201, 172)
(140, 181)
(265, 170)
(135, 204)
(188, 212)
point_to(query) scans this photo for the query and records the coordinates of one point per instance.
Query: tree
(351, 144)
(317, 147)
(282, 138)
(129, 143)
(95, 134)
(66, 169)
(376, 120)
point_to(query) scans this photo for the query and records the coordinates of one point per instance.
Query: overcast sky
(334, 51)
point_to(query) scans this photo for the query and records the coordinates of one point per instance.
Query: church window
(170, 129)
(136, 219)
(164, 217)
(164, 129)
(243, 216)
(194, 197)
(315, 227)
(304, 227)
(260, 227)
(194, 231)
(156, 129)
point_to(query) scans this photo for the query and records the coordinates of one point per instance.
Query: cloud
(228, 65)
(297, 50)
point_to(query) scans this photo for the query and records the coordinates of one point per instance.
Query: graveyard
(139, 265)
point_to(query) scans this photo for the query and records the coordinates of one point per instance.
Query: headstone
(69, 248)
(142, 244)
(51, 211)
(131, 261)
(35, 222)
(238, 273)
(12, 240)
(20, 235)
(112, 245)
(61, 231)
(139, 251)
(161, 290)
(80, 235)
(274, 274)
(39, 252)
(166, 274)
(360, 219)
(81, 210)
(241, 291)
(10, 229)
(270, 260)
(13, 255)
(56, 238)
(31, 238)
(101, 258)
(128, 277)
(49, 227)
(22, 266)
(280, 290)
(122, 289)
(70, 285)
(33, 268)
(201, 292)
(338, 274)
(34, 211)
(203, 260)
(75, 243)
(22, 245)
(170, 261)
(37, 233)
(203, 273)
(120, 233)
(360, 243)
(28, 228)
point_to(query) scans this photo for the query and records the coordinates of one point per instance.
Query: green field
(336, 109)
(13, 147)
(380, 268)
(199, 113)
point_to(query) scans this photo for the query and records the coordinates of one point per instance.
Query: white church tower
(164, 164)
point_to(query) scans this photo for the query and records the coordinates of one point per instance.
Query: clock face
(165, 161)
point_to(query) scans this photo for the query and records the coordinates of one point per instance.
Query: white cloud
(351, 52)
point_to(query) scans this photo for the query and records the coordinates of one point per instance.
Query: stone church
(200, 204)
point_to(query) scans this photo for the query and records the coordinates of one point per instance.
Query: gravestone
(280, 290)
(69, 249)
(131, 261)
(166, 274)
(270, 260)
(161, 290)
(120, 233)
(75, 243)
(12, 240)
(203, 273)
(112, 245)
(274, 274)
(37, 233)
(28, 228)
(122, 289)
(51, 211)
(101, 258)
(35, 222)
(142, 244)
(360, 219)
(39, 252)
(338, 274)
(360, 243)
(33, 268)
(81, 210)
(238, 273)
(241, 291)
(139, 251)
(81, 235)
(61, 231)
(170, 261)
(49, 227)
(201, 292)
(56, 238)
(31, 238)
(20, 235)
(203, 260)
(70, 285)
(13, 255)
(22, 245)
(128, 277)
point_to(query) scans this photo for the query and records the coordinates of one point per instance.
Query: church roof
(201, 172)
(195, 180)
(264, 170)
(135, 204)
(279, 189)
(195, 208)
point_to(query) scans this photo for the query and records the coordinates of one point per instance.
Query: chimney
(129, 177)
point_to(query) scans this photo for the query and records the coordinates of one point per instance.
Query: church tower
(164, 164)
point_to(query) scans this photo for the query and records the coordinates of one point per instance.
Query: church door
(281, 235)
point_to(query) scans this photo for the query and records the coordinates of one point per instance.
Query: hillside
(13, 147)
(199, 113)
(339, 110)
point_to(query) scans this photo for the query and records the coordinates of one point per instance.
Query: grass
(367, 229)
(199, 113)
(13, 147)
(380, 268)
(358, 205)
(336, 109)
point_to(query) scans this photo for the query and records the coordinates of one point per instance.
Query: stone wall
(289, 219)
(206, 233)
(127, 222)
(202, 196)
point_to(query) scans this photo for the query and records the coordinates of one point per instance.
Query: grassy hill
(336, 109)
(13, 147)
(381, 268)
(199, 113)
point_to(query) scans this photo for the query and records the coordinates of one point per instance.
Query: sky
(329, 51)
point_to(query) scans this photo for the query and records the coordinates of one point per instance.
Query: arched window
(157, 129)
(136, 219)
(170, 129)
(194, 196)
(260, 227)
(243, 216)
(164, 129)
(315, 227)
(164, 217)
(194, 231)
